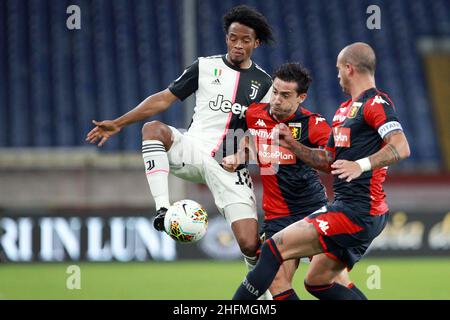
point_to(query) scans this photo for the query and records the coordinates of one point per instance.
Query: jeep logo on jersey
(254, 87)
(341, 137)
(227, 106)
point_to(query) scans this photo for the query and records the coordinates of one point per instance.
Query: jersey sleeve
(380, 114)
(266, 98)
(187, 83)
(319, 131)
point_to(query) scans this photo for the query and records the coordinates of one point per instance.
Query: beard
(237, 62)
(344, 86)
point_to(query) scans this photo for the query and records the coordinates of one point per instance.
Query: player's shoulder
(256, 109)
(345, 104)
(211, 60)
(375, 97)
(310, 114)
(263, 72)
(213, 57)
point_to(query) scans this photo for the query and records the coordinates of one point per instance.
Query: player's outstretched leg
(281, 286)
(328, 280)
(244, 224)
(156, 140)
(300, 239)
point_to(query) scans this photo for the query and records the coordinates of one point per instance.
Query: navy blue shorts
(344, 233)
(270, 227)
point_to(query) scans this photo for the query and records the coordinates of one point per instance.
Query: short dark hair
(294, 72)
(251, 18)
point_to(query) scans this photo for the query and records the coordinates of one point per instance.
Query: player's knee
(156, 130)
(317, 279)
(248, 246)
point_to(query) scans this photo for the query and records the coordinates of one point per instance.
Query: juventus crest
(254, 89)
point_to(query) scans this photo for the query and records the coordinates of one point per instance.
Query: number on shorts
(244, 178)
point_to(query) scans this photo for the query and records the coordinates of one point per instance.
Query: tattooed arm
(319, 159)
(396, 149)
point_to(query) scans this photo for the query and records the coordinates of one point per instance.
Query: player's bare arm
(396, 148)
(151, 106)
(319, 159)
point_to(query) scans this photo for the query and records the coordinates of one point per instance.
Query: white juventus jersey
(223, 93)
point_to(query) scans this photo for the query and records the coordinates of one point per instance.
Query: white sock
(250, 262)
(157, 171)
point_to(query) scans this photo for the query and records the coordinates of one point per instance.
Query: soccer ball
(186, 221)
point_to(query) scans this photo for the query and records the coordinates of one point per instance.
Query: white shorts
(230, 189)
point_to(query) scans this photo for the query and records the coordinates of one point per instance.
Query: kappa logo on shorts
(323, 225)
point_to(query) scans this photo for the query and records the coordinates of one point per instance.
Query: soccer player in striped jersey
(366, 138)
(291, 189)
(224, 86)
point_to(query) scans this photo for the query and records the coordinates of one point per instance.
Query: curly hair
(251, 18)
(294, 72)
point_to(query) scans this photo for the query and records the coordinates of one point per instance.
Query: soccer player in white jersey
(224, 86)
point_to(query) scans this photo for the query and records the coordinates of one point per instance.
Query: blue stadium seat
(54, 81)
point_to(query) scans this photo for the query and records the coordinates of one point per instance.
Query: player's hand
(102, 131)
(284, 135)
(231, 162)
(347, 170)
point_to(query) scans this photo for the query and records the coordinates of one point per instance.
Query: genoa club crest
(354, 110)
(296, 130)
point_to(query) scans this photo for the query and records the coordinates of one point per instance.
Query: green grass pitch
(407, 278)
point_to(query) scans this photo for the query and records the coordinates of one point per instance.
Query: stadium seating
(53, 81)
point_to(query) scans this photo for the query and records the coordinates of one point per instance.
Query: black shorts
(270, 227)
(344, 233)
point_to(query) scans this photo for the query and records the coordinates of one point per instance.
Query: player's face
(284, 100)
(241, 41)
(343, 76)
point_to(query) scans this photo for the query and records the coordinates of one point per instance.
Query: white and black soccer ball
(186, 221)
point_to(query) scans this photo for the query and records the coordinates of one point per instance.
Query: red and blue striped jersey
(290, 187)
(359, 127)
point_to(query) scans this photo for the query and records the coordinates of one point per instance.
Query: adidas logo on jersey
(217, 82)
(227, 106)
(260, 123)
